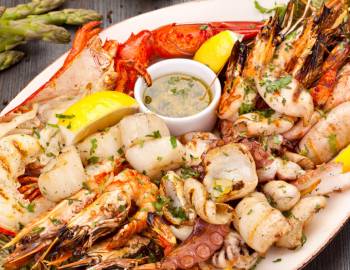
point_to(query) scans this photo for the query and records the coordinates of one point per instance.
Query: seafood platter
(216, 144)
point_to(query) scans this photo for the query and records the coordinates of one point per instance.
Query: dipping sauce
(177, 95)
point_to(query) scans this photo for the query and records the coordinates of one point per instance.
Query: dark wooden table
(336, 255)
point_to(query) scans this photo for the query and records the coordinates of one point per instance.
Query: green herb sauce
(177, 95)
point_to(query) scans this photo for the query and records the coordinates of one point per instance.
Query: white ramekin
(202, 121)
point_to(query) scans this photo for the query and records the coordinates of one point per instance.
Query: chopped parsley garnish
(277, 85)
(86, 186)
(160, 203)
(304, 151)
(173, 79)
(50, 154)
(52, 125)
(266, 113)
(203, 27)
(173, 141)
(30, 207)
(218, 188)
(178, 212)
(36, 133)
(188, 172)
(250, 211)
(303, 239)
(64, 116)
(93, 146)
(93, 160)
(246, 108)
(277, 260)
(121, 208)
(71, 201)
(38, 230)
(120, 151)
(154, 135)
(55, 221)
(280, 9)
(332, 142)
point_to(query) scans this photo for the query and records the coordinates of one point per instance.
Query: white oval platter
(321, 230)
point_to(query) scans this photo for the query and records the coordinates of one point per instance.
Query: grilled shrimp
(341, 91)
(140, 190)
(239, 94)
(276, 84)
(323, 91)
(256, 124)
(40, 233)
(100, 256)
(105, 214)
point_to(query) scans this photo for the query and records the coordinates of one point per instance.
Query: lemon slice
(216, 51)
(95, 112)
(344, 158)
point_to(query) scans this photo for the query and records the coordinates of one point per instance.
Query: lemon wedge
(95, 112)
(344, 158)
(216, 50)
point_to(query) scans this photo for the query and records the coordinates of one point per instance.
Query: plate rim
(59, 60)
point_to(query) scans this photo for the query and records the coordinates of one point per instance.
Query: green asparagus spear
(9, 58)
(33, 8)
(66, 16)
(7, 42)
(29, 31)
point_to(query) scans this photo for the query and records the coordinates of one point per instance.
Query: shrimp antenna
(288, 18)
(308, 5)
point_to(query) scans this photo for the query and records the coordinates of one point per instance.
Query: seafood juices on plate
(89, 181)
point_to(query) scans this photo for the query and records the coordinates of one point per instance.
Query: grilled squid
(172, 186)
(141, 127)
(157, 155)
(101, 146)
(16, 152)
(282, 195)
(298, 218)
(325, 179)
(63, 176)
(230, 172)
(328, 136)
(259, 224)
(208, 210)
